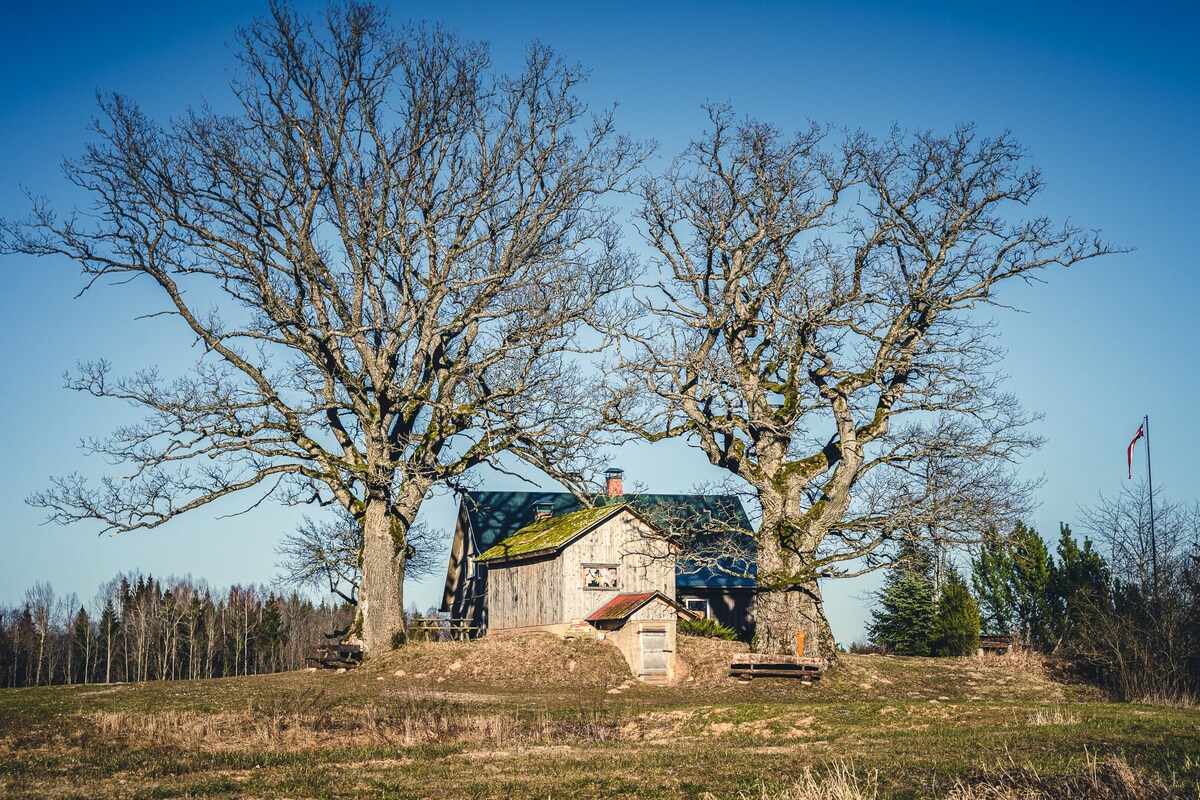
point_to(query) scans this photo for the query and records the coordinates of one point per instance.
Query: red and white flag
(1129, 453)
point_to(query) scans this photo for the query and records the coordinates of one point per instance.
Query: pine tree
(957, 628)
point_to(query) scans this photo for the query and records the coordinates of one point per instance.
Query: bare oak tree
(326, 554)
(812, 332)
(385, 255)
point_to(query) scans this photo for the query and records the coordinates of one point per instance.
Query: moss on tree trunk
(785, 605)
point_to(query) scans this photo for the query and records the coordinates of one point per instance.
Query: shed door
(654, 652)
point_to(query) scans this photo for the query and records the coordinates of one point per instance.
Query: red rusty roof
(624, 605)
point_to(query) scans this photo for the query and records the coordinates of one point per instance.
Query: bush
(707, 627)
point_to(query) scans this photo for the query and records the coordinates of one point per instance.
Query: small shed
(642, 626)
(604, 569)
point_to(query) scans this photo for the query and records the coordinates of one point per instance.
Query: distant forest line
(146, 629)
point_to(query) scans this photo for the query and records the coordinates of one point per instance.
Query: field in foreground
(537, 717)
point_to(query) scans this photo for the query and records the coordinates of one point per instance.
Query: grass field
(537, 717)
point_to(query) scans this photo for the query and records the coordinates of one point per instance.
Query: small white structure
(601, 569)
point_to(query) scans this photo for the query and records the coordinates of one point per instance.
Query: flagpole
(1150, 481)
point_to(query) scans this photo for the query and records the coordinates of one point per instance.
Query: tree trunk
(783, 609)
(381, 590)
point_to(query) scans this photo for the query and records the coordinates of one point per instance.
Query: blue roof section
(707, 578)
(495, 516)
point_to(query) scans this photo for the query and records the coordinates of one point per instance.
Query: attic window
(600, 576)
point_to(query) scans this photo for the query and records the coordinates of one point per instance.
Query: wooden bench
(998, 645)
(336, 656)
(776, 665)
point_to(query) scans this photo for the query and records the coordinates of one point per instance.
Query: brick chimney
(613, 485)
(543, 510)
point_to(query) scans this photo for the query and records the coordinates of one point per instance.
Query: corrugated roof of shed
(623, 606)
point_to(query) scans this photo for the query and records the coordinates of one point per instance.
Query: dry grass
(1180, 700)
(837, 781)
(504, 663)
(536, 717)
(1019, 658)
(1110, 778)
(1055, 716)
(316, 722)
(707, 660)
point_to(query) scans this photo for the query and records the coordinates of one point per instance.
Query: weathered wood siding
(549, 590)
(465, 594)
(525, 594)
(644, 564)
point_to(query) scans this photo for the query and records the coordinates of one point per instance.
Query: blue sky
(1105, 99)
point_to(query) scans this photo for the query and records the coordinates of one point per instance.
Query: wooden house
(718, 587)
(604, 570)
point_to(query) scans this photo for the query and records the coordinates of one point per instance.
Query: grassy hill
(535, 716)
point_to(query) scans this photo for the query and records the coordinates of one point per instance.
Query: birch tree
(384, 255)
(814, 331)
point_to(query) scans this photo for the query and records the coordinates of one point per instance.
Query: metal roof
(623, 606)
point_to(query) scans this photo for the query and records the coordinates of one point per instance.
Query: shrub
(707, 627)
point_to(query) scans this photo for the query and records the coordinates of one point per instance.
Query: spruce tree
(957, 628)
(107, 637)
(905, 620)
(1080, 589)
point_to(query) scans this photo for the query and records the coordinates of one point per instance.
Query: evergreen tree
(81, 648)
(8, 652)
(107, 639)
(906, 617)
(25, 641)
(1080, 588)
(957, 629)
(271, 635)
(1012, 580)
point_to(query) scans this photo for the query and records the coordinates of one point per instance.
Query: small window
(697, 605)
(600, 576)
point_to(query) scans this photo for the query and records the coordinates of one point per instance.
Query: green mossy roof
(493, 517)
(550, 534)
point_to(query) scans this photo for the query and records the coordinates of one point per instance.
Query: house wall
(465, 591)
(733, 608)
(525, 594)
(548, 592)
(644, 564)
